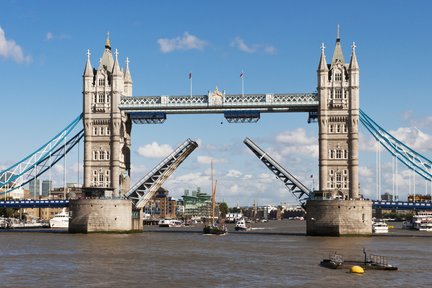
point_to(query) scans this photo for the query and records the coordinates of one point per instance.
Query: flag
(241, 75)
(190, 75)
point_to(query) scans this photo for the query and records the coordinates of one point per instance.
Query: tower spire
(108, 42)
(337, 54)
(353, 62)
(323, 64)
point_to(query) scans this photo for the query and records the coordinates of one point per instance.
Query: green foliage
(223, 209)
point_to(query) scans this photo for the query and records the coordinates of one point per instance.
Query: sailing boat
(213, 228)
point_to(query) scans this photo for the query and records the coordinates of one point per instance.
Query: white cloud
(10, 49)
(155, 150)
(208, 159)
(241, 45)
(296, 143)
(185, 42)
(234, 173)
(49, 36)
(365, 172)
(414, 138)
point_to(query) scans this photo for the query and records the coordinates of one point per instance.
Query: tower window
(95, 130)
(338, 94)
(338, 76)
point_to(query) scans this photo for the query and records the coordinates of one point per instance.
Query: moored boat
(60, 220)
(423, 221)
(380, 227)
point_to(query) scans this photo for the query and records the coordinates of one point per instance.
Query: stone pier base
(338, 217)
(103, 215)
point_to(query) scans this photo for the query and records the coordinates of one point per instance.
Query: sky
(43, 46)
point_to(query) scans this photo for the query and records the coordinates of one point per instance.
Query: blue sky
(43, 47)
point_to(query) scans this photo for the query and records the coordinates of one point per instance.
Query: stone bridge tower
(337, 208)
(338, 89)
(107, 139)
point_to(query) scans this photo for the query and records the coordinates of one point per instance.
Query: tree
(223, 209)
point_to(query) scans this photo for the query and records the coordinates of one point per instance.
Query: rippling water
(276, 254)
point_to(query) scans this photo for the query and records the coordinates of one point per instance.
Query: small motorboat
(242, 226)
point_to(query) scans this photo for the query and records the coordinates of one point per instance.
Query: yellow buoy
(357, 270)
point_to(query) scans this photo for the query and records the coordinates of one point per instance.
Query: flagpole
(242, 82)
(190, 80)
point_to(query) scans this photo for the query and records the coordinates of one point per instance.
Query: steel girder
(293, 184)
(146, 188)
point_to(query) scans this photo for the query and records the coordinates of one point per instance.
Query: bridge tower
(337, 208)
(107, 129)
(338, 90)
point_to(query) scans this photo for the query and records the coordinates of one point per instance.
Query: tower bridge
(110, 109)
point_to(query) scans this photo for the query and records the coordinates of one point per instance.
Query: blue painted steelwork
(413, 160)
(401, 205)
(11, 176)
(147, 117)
(34, 204)
(45, 163)
(242, 116)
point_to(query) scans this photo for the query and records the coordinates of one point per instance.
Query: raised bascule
(109, 111)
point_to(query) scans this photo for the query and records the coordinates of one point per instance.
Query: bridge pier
(338, 217)
(103, 215)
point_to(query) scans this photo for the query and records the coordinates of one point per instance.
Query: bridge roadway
(397, 205)
(217, 102)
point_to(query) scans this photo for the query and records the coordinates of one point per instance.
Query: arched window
(102, 155)
(102, 130)
(95, 130)
(95, 155)
(107, 155)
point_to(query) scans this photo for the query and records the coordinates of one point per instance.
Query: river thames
(274, 254)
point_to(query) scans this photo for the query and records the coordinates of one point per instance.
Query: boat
(60, 220)
(241, 225)
(422, 221)
(380, 227)
(215, 227)
(371, 262)
(170, 223)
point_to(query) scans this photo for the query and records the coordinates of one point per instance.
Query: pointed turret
(127, 80)
(353, 62)
(127, 75)
(323, 63)
(337, 54)
(88, 70)
(116, 68)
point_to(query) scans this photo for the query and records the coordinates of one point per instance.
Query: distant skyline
(275, 44)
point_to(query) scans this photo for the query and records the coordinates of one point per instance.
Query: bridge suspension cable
(300, 191)
(147, 187)
(41, 160)
(44, 163)
(412, 159)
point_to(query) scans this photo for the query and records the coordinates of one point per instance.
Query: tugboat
(214, 228)
(375, 262)
(241, 225)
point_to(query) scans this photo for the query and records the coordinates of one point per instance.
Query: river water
(274, 254)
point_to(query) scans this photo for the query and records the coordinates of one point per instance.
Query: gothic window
(345, 172)
(338, 128)
(108, 131)
(102, 132)
(94, 98)
(101, 81)
(331, 171)
(101, 98)
(101, 178)
(338, 154)
(338, 94)
(338, 76)
(107, 155)
(345, 154)
(331, 128)
(345, 130)
(95, 130)
(95, 155)
(102, 155)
